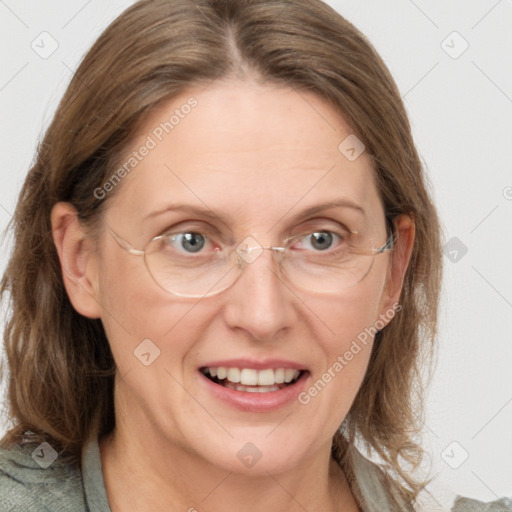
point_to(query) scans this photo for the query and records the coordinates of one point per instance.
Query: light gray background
(460, 105)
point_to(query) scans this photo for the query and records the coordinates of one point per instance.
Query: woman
(225, 274)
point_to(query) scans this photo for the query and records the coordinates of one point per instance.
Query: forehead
(254, 152)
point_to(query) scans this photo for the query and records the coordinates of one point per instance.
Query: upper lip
(255, 364)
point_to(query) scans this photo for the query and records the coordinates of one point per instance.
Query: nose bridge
(250, 249)
(264, 262)
(259, 301)
(262, 265)
(275, 252)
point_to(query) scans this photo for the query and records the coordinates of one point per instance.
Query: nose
(260, 302)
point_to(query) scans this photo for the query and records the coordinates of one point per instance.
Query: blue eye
(190, 242)
(320, 240)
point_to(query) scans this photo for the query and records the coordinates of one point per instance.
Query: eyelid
(324, 222)
(188, 227)
(343, 237)
(337, 228)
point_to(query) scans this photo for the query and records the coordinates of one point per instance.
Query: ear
(78, 260)
(405, 232)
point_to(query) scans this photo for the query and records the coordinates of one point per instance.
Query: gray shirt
(27, 485)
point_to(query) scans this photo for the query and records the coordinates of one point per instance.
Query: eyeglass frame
(128, 247)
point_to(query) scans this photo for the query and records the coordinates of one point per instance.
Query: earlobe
(77, 260)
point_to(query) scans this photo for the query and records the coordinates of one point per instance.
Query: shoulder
(372, 487)
(469, 505)
(378, 493)
(32, 478)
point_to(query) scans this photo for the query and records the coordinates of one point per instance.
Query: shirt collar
(95, 493)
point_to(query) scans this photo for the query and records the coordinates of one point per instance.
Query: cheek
(353, 320)
(136, 310)
(353, 313)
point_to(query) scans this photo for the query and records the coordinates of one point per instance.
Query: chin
(257, 455)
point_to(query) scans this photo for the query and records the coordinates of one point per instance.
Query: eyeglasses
(178, 264)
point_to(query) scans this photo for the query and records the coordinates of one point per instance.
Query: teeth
(266, 377)
(289, 375)
(233, 375)
(251, 389)
(250, 377)
(278, 375)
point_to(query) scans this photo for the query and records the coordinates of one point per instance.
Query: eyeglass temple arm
(394, 235)
(124, 244)
(390, 243)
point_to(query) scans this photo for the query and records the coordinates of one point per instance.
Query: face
(257, 157)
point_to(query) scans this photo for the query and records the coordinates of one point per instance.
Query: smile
(251, 380)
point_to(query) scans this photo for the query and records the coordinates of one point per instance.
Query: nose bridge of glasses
(277, 252)
(249, 250)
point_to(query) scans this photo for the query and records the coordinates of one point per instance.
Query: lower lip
(256, 402)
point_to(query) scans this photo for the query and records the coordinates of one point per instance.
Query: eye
(188, 242)
(320, 240)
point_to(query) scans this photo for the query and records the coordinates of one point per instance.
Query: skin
(257, 154)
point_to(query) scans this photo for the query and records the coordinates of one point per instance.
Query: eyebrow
(210, 214)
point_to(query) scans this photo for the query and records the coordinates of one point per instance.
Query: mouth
(250, 380)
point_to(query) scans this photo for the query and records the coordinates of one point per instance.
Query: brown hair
(61, 366)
